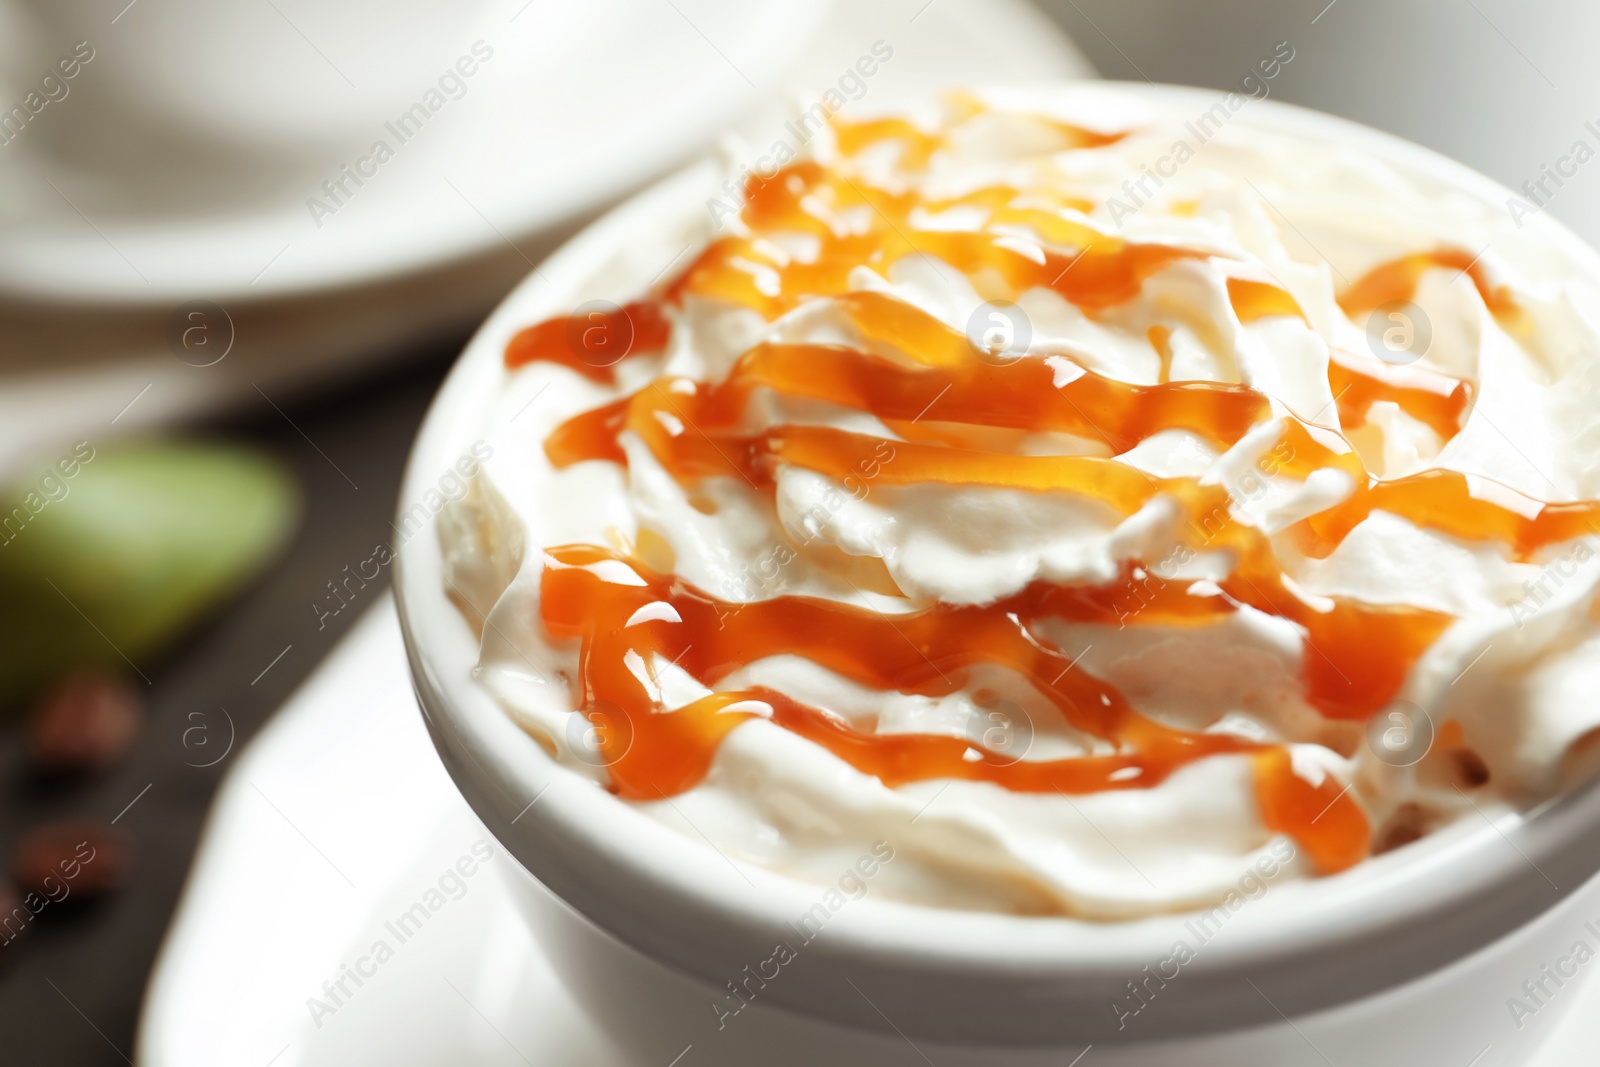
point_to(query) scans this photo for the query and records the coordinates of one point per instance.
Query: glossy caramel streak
(1022, 395)
(594, 344)
(678, 420)
(918, 144)
(1160, 337)
(1468, 507)
(1254, 300)
(1397, 279)
(1358, 382)
(856, 223)
(839, 454)
(590, 435)
(1357, 656)
(1295, 806)
(947, 381)
(628, 618)
(1030, 394)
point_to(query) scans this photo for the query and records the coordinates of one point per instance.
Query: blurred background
(241, 243)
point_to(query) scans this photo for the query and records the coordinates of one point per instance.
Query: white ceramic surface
(252, 70)
(334, 821)
(265, 919)
(569, 106)
(84, 341)
(1505, 86)
(1413, 917)
(129, 199)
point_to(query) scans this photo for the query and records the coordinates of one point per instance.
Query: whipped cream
(1497, 696)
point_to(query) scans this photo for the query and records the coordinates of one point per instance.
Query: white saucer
(335, 820)
(553, 125)
(109, 241)
(88, 302)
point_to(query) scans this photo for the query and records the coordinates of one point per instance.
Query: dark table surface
(71, 987)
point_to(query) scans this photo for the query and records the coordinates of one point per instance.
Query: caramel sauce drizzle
(638, 328)
(856, 224)
(1255, 300)
(1397, 279)
(906, 364)
(1160, 337)
(1435, 399)
(622, 611)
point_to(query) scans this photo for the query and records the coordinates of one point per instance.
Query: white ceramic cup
(1412, 957)
(276, 70)
(1503, 86)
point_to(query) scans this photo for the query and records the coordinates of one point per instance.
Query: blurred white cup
(252, 70)
(1505, 86)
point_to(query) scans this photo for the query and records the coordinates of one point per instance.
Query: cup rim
(993, 978)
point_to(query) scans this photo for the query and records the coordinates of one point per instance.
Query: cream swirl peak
(1084, 553)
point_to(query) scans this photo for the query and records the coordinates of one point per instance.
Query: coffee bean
(71, 860)
(14, 917)
(85, 723)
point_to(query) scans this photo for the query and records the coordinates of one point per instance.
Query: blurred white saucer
(103, 267)
(337, 819)
(122, 214)
(567, 107)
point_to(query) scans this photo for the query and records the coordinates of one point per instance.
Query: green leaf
(109, 565)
